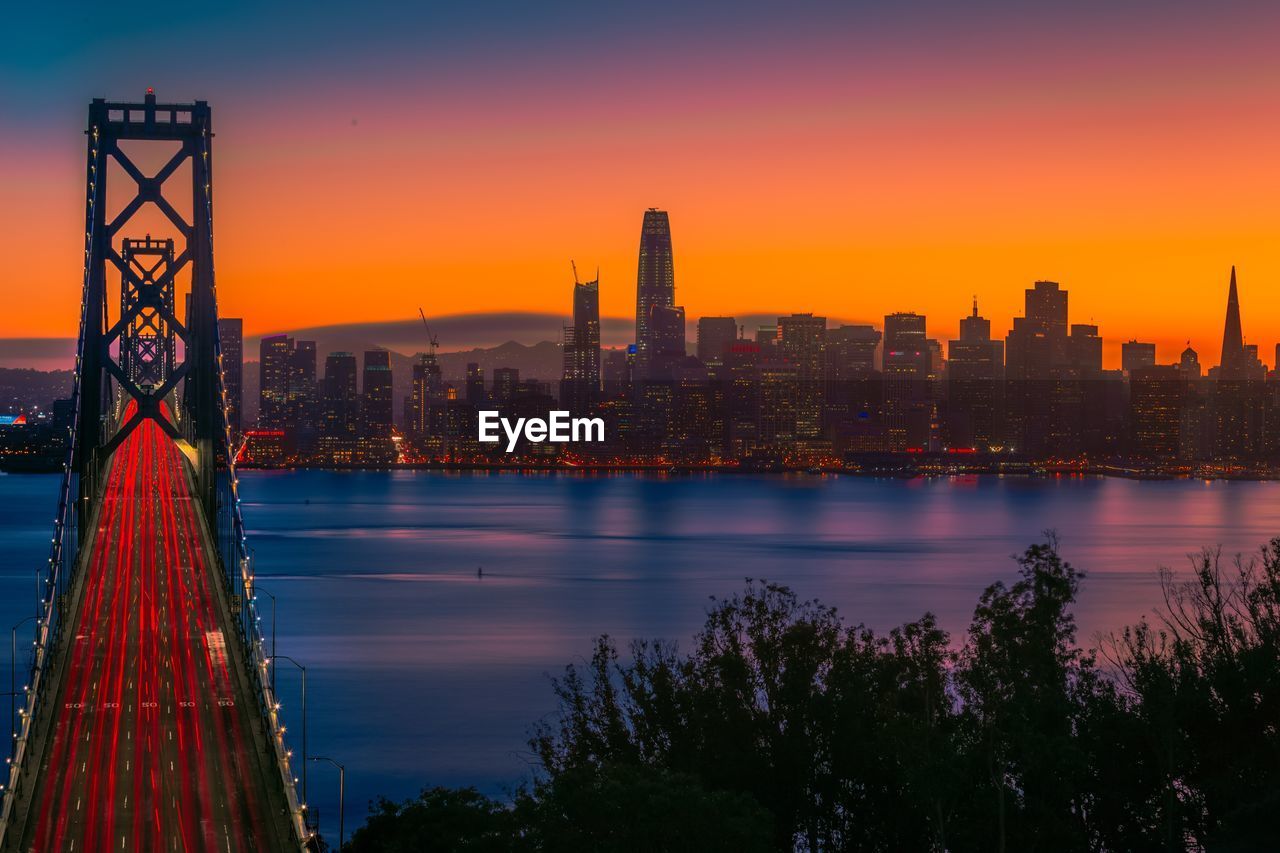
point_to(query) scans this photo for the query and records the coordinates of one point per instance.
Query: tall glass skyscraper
(342, 400)
(655, 285)
(580, 383)
(377, 394)
(273, 381)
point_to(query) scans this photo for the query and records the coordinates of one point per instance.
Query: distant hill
(23, 389)
(543, 360)
(456, 332)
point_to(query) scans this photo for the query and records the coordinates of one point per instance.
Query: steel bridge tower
(135, 357)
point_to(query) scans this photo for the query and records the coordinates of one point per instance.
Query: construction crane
(575, 270)
(431, 338)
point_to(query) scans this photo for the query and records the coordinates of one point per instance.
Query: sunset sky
(844, 158)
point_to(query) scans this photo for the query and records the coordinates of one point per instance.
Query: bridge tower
(135, 357)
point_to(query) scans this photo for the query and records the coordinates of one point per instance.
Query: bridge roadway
(153, 740)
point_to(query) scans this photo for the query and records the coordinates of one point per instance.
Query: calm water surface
(421, 672)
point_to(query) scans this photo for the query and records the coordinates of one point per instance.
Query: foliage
(609, 809)
(439, 820)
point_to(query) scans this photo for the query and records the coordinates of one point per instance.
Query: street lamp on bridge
(13, 683)
(254, 590)
(342, 794)
(303, 669)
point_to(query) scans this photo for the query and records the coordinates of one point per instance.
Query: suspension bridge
(148, 718)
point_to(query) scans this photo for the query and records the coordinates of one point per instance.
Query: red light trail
(149, 748)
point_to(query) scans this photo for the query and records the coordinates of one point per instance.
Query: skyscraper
(1253, 364)
(341, 399)
(666, 340)
(778, 404)
(1156, 400)
(580, 381)
(475, 385)
(1040, 397)
(1236, 397)
(301, 396)
(377, 394)
(231, 345)
(715, 336)
(1084, 349)
(1232, 362)
(803, 340)
(975, 384)
(505, 382)
(1046, 307)
(904, 336)
(1038, 340)
(975, 328)
(1135, 354)
(906, 382)
(287, 386)
(655, 283)
(851, 352)
(273, 381)
(426, 390)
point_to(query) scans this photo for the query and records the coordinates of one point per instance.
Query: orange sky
(1135, 173)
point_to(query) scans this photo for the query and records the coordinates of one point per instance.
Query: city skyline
(1124, 154)
(1112, 345)
(798, 391)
